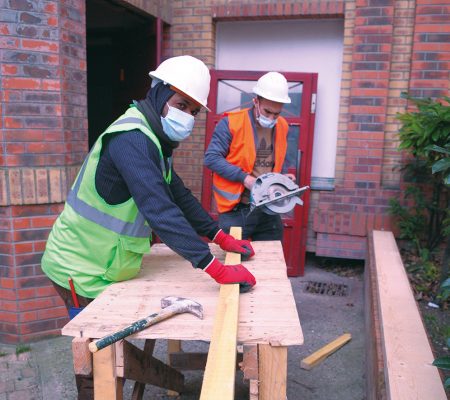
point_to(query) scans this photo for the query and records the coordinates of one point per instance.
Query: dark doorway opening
(121, 50)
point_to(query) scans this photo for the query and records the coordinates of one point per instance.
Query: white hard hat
(187, 74)
(273, 86)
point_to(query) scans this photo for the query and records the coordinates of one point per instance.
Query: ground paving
(45, 371)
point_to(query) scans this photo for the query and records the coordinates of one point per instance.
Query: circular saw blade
(282, 206)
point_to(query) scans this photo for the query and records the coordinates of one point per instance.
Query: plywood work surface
(267, 314)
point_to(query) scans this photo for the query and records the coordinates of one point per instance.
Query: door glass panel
(292, 156)
(293, 109)
(292, 160)
(234, 95)
(237, 94)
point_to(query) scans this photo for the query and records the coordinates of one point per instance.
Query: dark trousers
(85, 384)
(256, 225)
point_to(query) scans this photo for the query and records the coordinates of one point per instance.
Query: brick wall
(390, 46)
(44, 140)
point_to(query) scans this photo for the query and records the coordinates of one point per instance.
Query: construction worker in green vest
(127, 188)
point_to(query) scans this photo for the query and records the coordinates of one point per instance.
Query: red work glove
(229, 243)
(231, 274)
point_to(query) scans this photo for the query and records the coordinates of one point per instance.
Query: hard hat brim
(155, 75)
(285, 100)
(188, 97)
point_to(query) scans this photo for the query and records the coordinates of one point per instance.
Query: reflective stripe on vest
(228, 195)
(136, 229)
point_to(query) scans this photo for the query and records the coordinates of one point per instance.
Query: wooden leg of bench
(173, 346)
(253, 390)
(272, 372)
(139, 387)
(249, 367)
(107, 386)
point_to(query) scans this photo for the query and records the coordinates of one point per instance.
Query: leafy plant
(22, 349)
(425, 219)
(442, 164)
(444, 293)
(444, 363)
(428, 126)
(411, 220)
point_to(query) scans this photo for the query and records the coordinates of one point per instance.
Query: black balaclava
(159, 95)
(152, 107)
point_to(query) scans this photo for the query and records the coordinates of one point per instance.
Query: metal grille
(329, 289)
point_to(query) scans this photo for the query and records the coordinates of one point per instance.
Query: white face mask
(177, 124)
(264, 121)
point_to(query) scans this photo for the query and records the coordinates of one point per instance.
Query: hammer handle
(137, 326)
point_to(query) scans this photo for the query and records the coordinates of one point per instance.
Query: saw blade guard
(275, 193)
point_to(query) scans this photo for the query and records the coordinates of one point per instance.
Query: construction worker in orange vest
(245, 145)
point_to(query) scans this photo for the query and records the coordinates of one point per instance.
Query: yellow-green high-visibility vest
(94, 242)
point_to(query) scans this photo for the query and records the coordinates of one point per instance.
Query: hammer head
(182, 305)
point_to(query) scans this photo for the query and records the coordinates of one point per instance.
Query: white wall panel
(293, 46)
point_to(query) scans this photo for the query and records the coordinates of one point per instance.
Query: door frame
(295, 250)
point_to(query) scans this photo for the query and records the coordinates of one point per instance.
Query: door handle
(299, 160)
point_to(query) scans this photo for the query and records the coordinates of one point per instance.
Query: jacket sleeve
(197, 216)
(137, 160)
(218, 149)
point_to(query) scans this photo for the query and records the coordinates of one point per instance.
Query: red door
(232, 90)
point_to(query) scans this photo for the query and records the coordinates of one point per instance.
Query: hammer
(171, 305)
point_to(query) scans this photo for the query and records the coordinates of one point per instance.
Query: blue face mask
(177, 124)
(264, 121)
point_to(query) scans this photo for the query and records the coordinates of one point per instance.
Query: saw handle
(131, 329)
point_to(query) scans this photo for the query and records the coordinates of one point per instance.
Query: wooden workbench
(268, 317)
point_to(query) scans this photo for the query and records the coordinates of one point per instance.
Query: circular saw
(275, 193)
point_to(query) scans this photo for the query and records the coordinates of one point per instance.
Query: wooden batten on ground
(398, 353)
(318, 356)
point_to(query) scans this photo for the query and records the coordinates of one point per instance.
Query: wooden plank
(234, 258)
(82, 357)
(318, 356)
(375, 382)
(253, 389)
(172, 347)
(220, 369)
(272, 372)
(407, 353)
(107, 386)
(190, 361)
(145, 369)
(139, 387)
(267, 314)
(249, 363)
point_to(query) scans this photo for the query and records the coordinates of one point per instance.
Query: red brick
(38, 327)
(35, 304)
(51, 313)
(7, 283)
(7, 294)
(28, 316)
(21, 83)
(46, 291)
(7, 305)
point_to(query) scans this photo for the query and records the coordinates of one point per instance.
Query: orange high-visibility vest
(243, 154)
